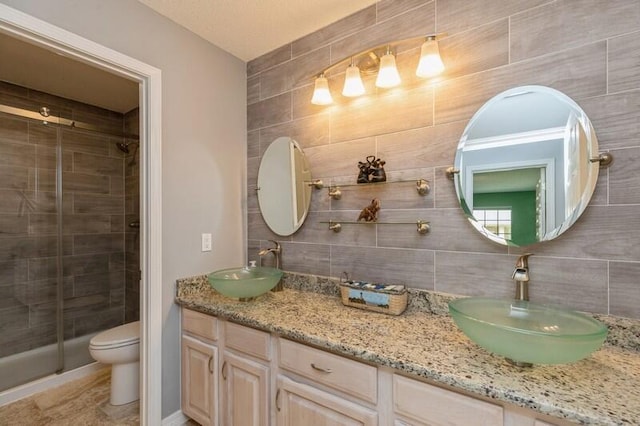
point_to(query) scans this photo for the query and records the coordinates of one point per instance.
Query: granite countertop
(603, 389)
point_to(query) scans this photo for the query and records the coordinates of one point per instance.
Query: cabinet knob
(278, 399)
(210, 365)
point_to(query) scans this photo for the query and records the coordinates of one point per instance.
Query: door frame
(28, 28)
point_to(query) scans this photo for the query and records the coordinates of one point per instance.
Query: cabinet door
(245, 392)
(199, 381)
(298, 404)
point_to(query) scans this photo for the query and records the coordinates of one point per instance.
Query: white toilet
(120, 347)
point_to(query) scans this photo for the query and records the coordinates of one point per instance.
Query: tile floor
(82, 402)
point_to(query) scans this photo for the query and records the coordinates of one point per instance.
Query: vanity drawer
(199, 324)
(346, 375)
(433, 405)
(248, 340)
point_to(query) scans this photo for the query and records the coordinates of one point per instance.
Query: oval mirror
(524, 165)
(284, 193)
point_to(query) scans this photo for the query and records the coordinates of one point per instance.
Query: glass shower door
(31, 247)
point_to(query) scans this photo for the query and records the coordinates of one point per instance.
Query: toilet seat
(117, 337)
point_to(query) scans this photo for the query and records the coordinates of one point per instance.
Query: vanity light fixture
(352, 82)
(321, 93)
(382, 60)
(388, 75)
(430, 63)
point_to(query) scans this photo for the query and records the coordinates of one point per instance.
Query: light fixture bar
(430, 65)
(379, 47)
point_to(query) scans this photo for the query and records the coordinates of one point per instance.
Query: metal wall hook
(422, 186)
(605, 159)
(451, 171)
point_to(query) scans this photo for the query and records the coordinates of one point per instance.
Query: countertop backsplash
(623, 332)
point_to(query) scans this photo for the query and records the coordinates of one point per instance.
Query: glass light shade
(352, 82)
(388, 73)
(321, 93)
(430, 63)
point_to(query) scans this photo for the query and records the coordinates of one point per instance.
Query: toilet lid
(121, 335)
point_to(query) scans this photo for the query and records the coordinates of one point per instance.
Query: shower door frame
(26, 27)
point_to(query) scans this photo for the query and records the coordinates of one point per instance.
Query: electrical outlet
(206, 242)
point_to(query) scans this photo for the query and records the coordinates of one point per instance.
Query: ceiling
(250, 28)
(28, 65)
(245, 28)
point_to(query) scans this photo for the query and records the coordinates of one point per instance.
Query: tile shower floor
(84, 401)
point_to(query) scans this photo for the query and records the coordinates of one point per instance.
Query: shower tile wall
(93, 226)
(587, 49)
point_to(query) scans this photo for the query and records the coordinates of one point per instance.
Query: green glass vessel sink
(526, 332)
(244, 283)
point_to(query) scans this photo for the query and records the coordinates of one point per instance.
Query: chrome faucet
(521, 277)
(277, 254)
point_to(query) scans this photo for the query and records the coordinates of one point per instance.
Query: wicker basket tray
(387, 299)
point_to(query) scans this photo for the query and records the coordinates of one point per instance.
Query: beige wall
(586, 49)
(203, 143)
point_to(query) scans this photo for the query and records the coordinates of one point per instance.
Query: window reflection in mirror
(525, 173)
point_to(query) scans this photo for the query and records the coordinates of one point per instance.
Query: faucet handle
(523, 260)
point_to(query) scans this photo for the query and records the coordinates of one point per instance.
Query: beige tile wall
(586, 48)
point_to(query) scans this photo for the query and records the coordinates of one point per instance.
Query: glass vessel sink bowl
(244, 283)
(526, 332)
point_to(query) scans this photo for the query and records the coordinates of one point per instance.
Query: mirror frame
(464, 179)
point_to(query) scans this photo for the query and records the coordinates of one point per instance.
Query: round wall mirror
(284, 190)
(525, 168)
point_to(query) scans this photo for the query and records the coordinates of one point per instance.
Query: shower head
(123, 146)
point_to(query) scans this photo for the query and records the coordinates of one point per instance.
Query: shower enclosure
(69, 246)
